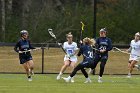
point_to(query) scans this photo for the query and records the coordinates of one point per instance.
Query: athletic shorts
(134, 57)
(86, 64)
(24, 59)
(72, 59)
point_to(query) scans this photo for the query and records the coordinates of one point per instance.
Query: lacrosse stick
(53, 35)
(82, 29)
(25, 51)
(119, 50)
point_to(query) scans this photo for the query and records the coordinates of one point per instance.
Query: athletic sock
(69, 77)
(88, 78)
(60, 73)
(129, 74)
(100, 78)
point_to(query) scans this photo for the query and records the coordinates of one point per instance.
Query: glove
(102, 51)
(20, 52)
(68, 56)
(71, 55)
(59, 44)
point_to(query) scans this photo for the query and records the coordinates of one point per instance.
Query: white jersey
(135, 48)
(70, 49)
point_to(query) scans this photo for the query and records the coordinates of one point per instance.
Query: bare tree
(25, 13)
(58, 5)
(3, 18)
(9, 8)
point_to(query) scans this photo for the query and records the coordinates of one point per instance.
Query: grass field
(17, 83)
(47, 83)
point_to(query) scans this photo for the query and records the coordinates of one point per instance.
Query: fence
(50, 59)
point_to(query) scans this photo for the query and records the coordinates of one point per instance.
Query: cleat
(72, 80)
(129, 76)
(58, 77)
(29, 78)
(66, 79)
(100, 81)
(87, 81)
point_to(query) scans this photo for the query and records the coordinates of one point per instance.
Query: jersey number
(90, 54)
(102, 48)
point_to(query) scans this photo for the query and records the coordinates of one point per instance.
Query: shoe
(100, 81)
(129, 76)
(58, 77)
(66, 79)
(87, 80)
(72, 80)
(29, 78)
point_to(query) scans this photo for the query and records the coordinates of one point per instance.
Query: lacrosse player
(87, 51)
(103, 44)
(134, 54)
(23, 47)
(70, 59)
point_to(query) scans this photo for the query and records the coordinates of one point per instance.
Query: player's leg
(63, 68)
(131, 65)
(72, 64)
(26, 67)
(78, 67)
(86, 76)
(102, 67)
(94, 63)
(81, 67)
(31, 66)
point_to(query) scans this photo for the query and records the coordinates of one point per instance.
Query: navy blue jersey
(103, 43)
(23, 45)
(86, 51)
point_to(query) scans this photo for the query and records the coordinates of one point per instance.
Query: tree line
(120, 17)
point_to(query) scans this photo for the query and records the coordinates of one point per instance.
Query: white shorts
(134, 57)
(72, 59)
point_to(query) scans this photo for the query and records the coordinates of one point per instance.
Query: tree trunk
(25, 13)
(3, 19)
(59, 5)
(9, 9)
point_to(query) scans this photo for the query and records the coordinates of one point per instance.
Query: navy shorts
(86, 63)
(24, 59)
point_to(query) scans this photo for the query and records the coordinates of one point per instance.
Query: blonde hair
(89, 41)
(69, 35)
(92, 42)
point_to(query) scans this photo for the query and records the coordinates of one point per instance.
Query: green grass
(47, 83)
(17, 83)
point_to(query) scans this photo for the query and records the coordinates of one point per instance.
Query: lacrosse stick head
(114, 49)
(51, 33)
